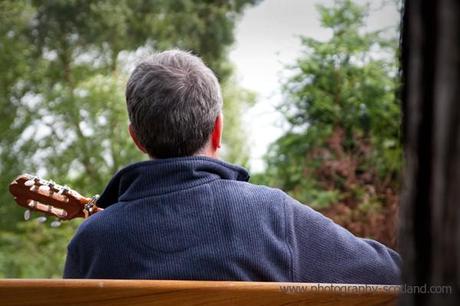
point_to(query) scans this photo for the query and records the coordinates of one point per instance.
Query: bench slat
(156, 292)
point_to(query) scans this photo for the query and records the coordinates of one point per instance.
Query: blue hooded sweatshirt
(198, 218)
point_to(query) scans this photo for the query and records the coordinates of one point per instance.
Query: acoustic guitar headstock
(36, 194)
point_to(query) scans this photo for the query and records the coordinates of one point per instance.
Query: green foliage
(236, 101)
(344, 116)
(15, 62)
(39, 253)
(65, 63)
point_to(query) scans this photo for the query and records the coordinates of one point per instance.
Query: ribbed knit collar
(162, 176)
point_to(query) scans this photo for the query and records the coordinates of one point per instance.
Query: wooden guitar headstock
(50, 198)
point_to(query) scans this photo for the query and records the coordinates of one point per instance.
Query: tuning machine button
(56, 223)
(41, 219)
(27, 215)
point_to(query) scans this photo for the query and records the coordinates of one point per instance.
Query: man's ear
(216, 135)
(135, 139)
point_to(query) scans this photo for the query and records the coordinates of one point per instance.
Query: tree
(15, 62)
(431, 119)
(342, 154)
(236, 102)
(63, 100)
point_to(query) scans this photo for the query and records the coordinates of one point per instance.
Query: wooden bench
(156, 292)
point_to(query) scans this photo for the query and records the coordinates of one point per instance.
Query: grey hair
(173, 101)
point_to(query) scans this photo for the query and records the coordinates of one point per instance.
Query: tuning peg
(29, 183)
(52, 186)
(56, 223)
(32, 203)
(64, 190)
(41, 219)
(27, 215)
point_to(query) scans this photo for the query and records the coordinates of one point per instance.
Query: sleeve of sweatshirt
(323, 251)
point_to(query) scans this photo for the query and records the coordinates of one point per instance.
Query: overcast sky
(267, 39)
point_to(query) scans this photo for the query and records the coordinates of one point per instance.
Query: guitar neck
(45, 196)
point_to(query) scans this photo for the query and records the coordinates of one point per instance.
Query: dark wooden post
(430, 208)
